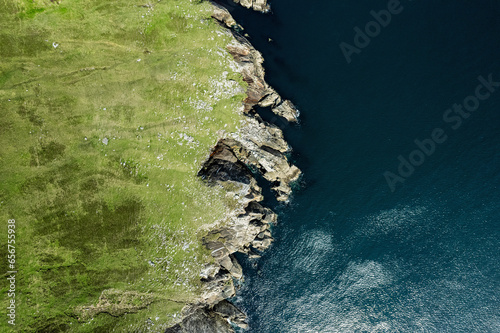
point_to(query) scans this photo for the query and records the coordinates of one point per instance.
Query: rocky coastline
(260, 146)
(258, 5)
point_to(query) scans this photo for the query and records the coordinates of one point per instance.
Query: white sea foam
(392, 220)
(328, 286)
(363, 275)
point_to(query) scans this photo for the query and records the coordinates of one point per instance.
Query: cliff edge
(258, 5)
(257, 145)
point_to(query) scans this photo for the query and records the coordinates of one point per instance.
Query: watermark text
(363, 37)
(453, 116)
(11, 273)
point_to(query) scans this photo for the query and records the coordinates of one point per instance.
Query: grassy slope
(107, 110)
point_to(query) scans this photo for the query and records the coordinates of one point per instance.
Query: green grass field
(108, 109)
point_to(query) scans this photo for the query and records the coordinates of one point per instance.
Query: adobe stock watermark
(453, 116)
(11, 273)
(372, 29)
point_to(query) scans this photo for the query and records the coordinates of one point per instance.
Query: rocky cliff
(258, 145)
(259, 5)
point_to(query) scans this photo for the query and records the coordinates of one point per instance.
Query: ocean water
(352, 254)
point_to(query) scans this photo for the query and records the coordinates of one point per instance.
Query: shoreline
(258, 145)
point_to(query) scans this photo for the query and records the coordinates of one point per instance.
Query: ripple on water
(311, 252)
(396, 220)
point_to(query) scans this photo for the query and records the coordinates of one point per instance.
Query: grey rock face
(250, 62)
(264, 147)
(201, 320)
(259, 92)
(258, 5)
(287, 110)
(223, 165)
(222, 15)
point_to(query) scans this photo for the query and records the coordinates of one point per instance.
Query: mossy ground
(108, 109)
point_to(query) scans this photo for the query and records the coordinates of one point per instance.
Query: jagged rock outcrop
(258, 92)
(205, 319)
(223, 16)
(223, 165)
(249, 62)
(257, 145)
(262, 145)
(247, 230)
(258, 5)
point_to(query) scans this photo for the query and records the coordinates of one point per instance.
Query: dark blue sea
(363, 246)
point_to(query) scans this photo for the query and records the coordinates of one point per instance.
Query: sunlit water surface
(350, 255)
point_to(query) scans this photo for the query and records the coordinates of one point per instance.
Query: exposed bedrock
(205, 319)
(257, 146)
(258, 5)
(249, 62)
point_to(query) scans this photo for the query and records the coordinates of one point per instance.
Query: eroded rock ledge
(259, 146)
(258, 5)
(250, 62)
